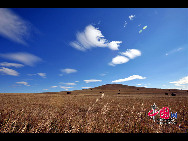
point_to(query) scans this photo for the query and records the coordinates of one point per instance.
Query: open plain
(89, 111)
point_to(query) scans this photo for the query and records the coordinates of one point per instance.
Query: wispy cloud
(7, 71)
(12, 26)
(92, 37)
(23, 83)
(125, 24)
(174, 51)
(6, 64)
(181, 81)
(69, 83)
(129, 78)
(23, 57)
(92, 80)
(66, 88)
(68, 70)
(131, 17)
(53, 86)
(43, 75)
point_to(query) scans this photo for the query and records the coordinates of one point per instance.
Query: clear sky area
(59, 49)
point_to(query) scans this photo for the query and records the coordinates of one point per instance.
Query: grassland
(88, 113)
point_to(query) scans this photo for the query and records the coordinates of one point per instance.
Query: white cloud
(129, 78)
(92, 37)
(139, 84)
(92, 80)
(42, 74)
(68, 70)
(23, 57)
(86, 87)
(23, 83)
(8, 71)
(45, 89)
(76, 81)
(132, 53)
(114, 45)
(12, 26)
(39, 74)
(53, 86)
(180, 82)
(174, 51)
(118, 60)
(131, 17)
(66, 88)
(125, 24)
(6, 64)
(69, 83)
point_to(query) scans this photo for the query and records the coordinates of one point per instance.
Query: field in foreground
(86, 113)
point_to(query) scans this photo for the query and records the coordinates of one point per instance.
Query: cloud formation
(181, 81)
(129, 78)
(118, 60)
(92, 37)
(69, 83)
(174, 51)
(23, 83)
(43, 75)
(66, 88)
(23, 57)
(131, 17)
(7, 71)
(68, 70)
(12, 26)
(125, 24)
(92, 80)
(6, 64)
(130, 54)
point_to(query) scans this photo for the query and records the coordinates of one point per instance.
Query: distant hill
(125, 89)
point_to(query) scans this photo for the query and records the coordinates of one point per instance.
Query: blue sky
(74, 48)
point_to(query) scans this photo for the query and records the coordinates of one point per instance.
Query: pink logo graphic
(164, 114)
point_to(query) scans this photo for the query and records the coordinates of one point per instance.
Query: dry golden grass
(84, 113)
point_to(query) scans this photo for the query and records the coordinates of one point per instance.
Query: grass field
(88, 113)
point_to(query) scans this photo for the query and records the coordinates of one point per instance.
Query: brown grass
(83, 113)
